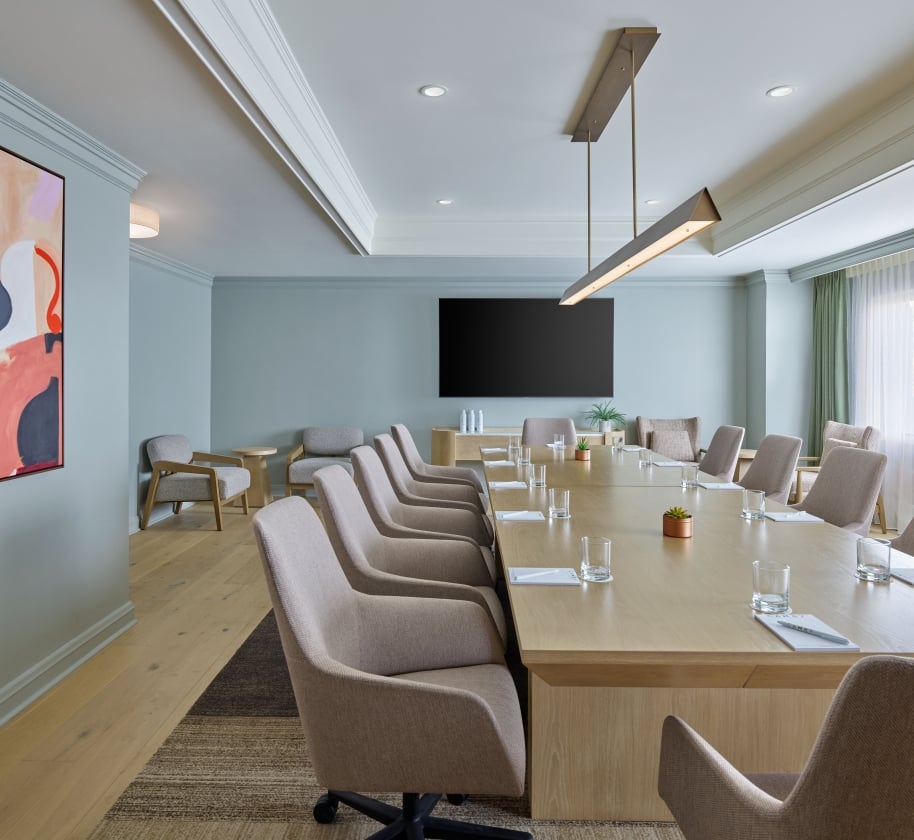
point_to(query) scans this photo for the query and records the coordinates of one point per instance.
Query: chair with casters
(398, 519)
(177, 477)
(856, 783)
(460, 496)
(379, 565)
(539, 431)
(422, 471)
(677, 438)
(722, 453)
(320, 447)
(773, 467)
(835, 434)
(395, 694)
(845, 492)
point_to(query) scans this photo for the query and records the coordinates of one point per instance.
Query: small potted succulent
(604, 417)
(677, 522)
(582, 451)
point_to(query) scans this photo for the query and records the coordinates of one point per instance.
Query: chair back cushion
(170, 448)
(723, 452)
(673, 443)
(832, 443)
(866, 437)
(375, 488)
(773, 467)
(331, 440)
(541, 430)
(645, 427)
(408, 449)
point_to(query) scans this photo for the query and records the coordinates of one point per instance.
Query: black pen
(829, 637)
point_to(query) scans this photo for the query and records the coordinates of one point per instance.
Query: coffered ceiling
(288, 137)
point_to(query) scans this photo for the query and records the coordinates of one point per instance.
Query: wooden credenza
(450, 445)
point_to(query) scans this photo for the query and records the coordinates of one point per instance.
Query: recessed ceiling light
(652, 201)
(780, 90)
(445, 202)
(433, 90)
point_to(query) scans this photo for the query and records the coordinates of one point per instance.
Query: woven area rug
(237, 767)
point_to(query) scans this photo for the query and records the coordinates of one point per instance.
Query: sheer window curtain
(882, 370)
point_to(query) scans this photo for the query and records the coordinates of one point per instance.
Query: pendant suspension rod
(634, 164)
(588, 199)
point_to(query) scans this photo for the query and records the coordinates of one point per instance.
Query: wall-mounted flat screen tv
(524, 347)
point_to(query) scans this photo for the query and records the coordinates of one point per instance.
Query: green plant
(583, 443)
(604, 411)
(677, 513)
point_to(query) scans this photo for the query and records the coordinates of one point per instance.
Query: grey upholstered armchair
(678, 438)
(320, 447)
(395, 694)
(178, 477)
(772, 468)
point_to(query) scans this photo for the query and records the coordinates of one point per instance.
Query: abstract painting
(31, 317)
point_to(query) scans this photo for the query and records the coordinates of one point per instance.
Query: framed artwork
(31, 317)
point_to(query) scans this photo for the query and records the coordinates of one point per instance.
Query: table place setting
(719, 485)
(508, 485)
(791, 516)
(543, 577)
(668, 463)
(806, 632)
(500, 463)
(520, 516)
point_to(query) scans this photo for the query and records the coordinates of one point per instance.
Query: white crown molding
(882, 248)
(33, 120)
(175, 267)
(240, 43)
(876, 147)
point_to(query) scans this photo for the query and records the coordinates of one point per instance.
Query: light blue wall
(288, 353)
(170, 350)
(63, 545)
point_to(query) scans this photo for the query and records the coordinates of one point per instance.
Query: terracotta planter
(677, 527)
(582, 454)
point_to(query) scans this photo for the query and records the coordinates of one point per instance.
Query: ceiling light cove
(445, 202)
(779, 91)
(433, 90)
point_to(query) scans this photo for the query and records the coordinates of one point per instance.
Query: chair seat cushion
(674, 443)
(192, 487)
(302, 471)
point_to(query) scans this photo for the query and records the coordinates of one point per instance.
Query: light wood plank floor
(198, 594)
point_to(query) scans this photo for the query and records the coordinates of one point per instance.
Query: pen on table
(535, 574)
(829, 637)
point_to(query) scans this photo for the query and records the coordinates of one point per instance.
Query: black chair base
(413, 821)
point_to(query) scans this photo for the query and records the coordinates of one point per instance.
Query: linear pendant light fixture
(690, 218)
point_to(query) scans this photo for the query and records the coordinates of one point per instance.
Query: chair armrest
(295, 454)
(180, 466)
(709, 798)
(218, 459)
(808, 469)
(419, 634)
(809, 458)
(453, 561)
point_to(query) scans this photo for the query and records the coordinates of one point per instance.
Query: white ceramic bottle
(463, 420)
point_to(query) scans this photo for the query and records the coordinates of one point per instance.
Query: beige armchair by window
(320, 447)
(538, 431)
(773, 467)
(395, 694)
(178, 478)
(856, 784)
(678, 438)
(722, 453)
(846, 490)
(379, 565)
(836, 434)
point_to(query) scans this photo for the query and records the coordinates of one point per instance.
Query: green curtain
(830, 363)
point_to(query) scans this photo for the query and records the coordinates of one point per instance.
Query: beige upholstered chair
(397, 519)
(723, 452)
(845, 491)
(538, 431)
(904, 542)
(836, 434)
(320, 447)
(856, 783)
(394, 693)
(421, 471)
(380, 565)
(773, 467)
(679, 438)
(178, 478)
(412, 492)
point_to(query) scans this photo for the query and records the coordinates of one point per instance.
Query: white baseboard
(27, 687)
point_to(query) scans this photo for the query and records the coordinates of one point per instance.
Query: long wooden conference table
(672, 633)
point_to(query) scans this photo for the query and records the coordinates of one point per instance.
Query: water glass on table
(644, 458)
(770, 586)
(753, 504)
(689, 475)
(559, 503)
(558, 441)
(595, 559)
(874, 560)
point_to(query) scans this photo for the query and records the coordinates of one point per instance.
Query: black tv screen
(524, 347)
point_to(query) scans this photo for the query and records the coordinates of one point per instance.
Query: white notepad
(907, 575)
(804, 641)
(499, 463)
(792, 516)
(630, 447)
(520, 516)
(492, 449)
(508, 485)
(543, 577)
(719, 485)
(667, 463)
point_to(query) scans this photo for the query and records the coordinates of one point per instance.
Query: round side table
(254, 459)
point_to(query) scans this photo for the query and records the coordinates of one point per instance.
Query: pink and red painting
(31, 317)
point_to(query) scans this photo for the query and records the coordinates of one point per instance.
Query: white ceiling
(202, 93)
